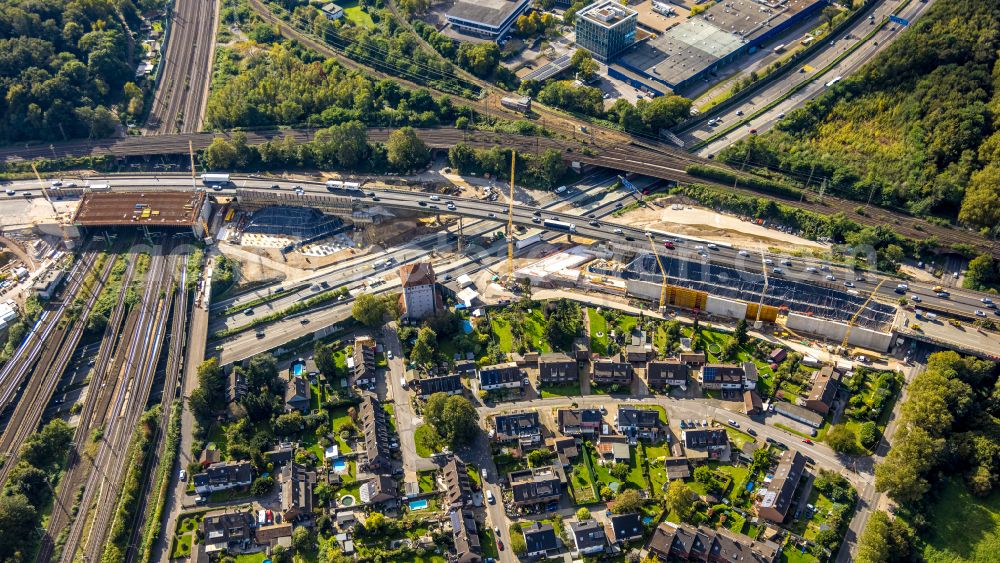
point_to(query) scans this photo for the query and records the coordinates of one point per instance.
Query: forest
(948, 436)
(918, 128)
(63, 66)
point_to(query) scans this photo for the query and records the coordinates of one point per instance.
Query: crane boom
(510, 219)
(663, 273)
(850, 324)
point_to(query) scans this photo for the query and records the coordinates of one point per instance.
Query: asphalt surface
(835, 47)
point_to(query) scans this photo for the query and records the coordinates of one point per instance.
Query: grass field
(352, 11)
(963, 527)
(570, 390)
(534, 332)
(427, 441)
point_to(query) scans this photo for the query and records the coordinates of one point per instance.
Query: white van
(435, 198)
(561, 189)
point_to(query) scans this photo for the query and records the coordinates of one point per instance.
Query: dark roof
(751, 400)
(224, 474)
(571, 419)
(626, 527)
(642, 418)
(228, 527)
(517, 424)
(705, 544)
(297, 489)
(612, 368)
(535, 484)
(705, 437)
(419, 273)
(677, 468)
(458, 485)
(750, 371)
(540, 537)
(439, 384)
(375, 426)
(466, 536)
(786, 478)
(501, 373)
(491, 12)
(667, 369)
(722, 373)
(297, 393)
(825, 386)
(693, 357)
(555, 357)
(588, 534)
(778, 354)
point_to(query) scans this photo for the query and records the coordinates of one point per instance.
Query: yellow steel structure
(510, 219)
(850, 324)
(191, 152)
(663, 272)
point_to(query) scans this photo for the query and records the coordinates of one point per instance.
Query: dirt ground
(701, 222)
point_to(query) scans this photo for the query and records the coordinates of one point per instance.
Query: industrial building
(486, 19)
(690, 51)
(300, 222)
(606, 28)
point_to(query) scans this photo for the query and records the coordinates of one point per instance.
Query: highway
(808, 84)
(182, 91)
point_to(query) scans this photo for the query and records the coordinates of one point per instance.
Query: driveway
(406, 420)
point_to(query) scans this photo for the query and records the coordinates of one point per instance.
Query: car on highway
(499, 544)
(777, 271)
(435, 198)
(942, 294)
(915, 298)
(422, 203)
(11, 192)
(739, 112)
(986, 300)
(751, 431)
(733, 423)
(980, 313)
(26, 194)
(591, 216)
(743, 253)
(492, 215)
(536, 220)
(807, 441)
(770, 440)
(902, 288)
(753, 131)
(768, 262)
(668, 245)
(618, 231)
(595, 224)
(275, 187)
(248, 311)
(388, 354)
(618, 205)
(630, 239)
(260, 334)
(831, 277)
(304, 320)
(848, 284)
(537, 213)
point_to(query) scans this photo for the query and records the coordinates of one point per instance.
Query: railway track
(133, 378)
(171, 384)
(182, 91)
(91, 417)
(51, 365)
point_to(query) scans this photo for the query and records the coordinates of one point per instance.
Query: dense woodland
(949, 428)
(918, 128)
(64, 66)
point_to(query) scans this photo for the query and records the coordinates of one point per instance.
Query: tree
(583, 514)
(703, 475)
(302, 540)
(47, 449)
(30, 481)
(369, 310)
(405, 150)
(869, 435)
(741, 332)
(982, 273)
(220, 154)
(981, 205)
(563, 324)
(681, 500)
(537, 458)
(375, 522)
(288, 424)
(345, 144)
(619, 471)
(424, 349)
(627, 501)
(842, 439)
(17, 526)
(584, 64)
(262, 486)
(453, 417)
(885, 540)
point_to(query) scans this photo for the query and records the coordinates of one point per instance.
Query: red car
(499, 544)
(668, 245)
(807, 441)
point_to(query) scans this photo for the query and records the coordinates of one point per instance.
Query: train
(559, 225)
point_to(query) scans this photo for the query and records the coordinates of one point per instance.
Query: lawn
(428, 443)
(534, 332)
(581, 486)
(186, 527)
(569, 390)
(488, 542)
(182, 547)
(258, 557)
(963, 528)
(790, 554)
(340, 418)
(426, 481)
(633, 478)
(598, 344)
(353, 12)
(739, 437)
(657, 472)
(809, 528)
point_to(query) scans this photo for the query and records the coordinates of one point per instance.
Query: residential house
(797, 413)
(274, 535)
(457, 484)
(683, 542)
(609, 371)
(706, 443)
(522, 429)
(224, 476)
(752, 404)
(750, 375)
(584, 423)
(558, 369)
(280, 455)
(774, 503)
(209, 456)
(614, 449)
(465, 533)
(501, 376)
(693, 359)
(825, 385)
(777, 355)
(427, 386)
(540, 540)
(677, 468)
(721, 376)
(236, 386)
(297, 394)
(638, 424)
(231, 530)
(588, 537)
(639, 353)
(661, 374)
(332, 11)
(566, 447)
(379, 490)
(581, 348)
(297, 483)
(361, 364)
(538, 486)
(375, 427)
(625, 528)
(420, 297)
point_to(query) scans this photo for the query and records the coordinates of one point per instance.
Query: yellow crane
(850, 324)
(663, 272)
(510, 219)
(191, 152)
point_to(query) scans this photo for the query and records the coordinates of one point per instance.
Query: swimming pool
(340, 466)
(297, 369)
(466, 326)
(418, 504)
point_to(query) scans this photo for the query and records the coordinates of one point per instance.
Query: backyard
(353, 12)
(599, 328)
(963, 528)
(532, 334)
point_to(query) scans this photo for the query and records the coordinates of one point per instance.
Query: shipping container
(215, 178)
(559, 225)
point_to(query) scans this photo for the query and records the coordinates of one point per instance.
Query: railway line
(132, 376)
(91, 418)
(182, 90)
(42, 384)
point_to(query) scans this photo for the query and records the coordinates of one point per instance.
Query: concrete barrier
(835, 330)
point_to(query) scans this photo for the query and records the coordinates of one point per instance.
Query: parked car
(490, 498)
(184, 475)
